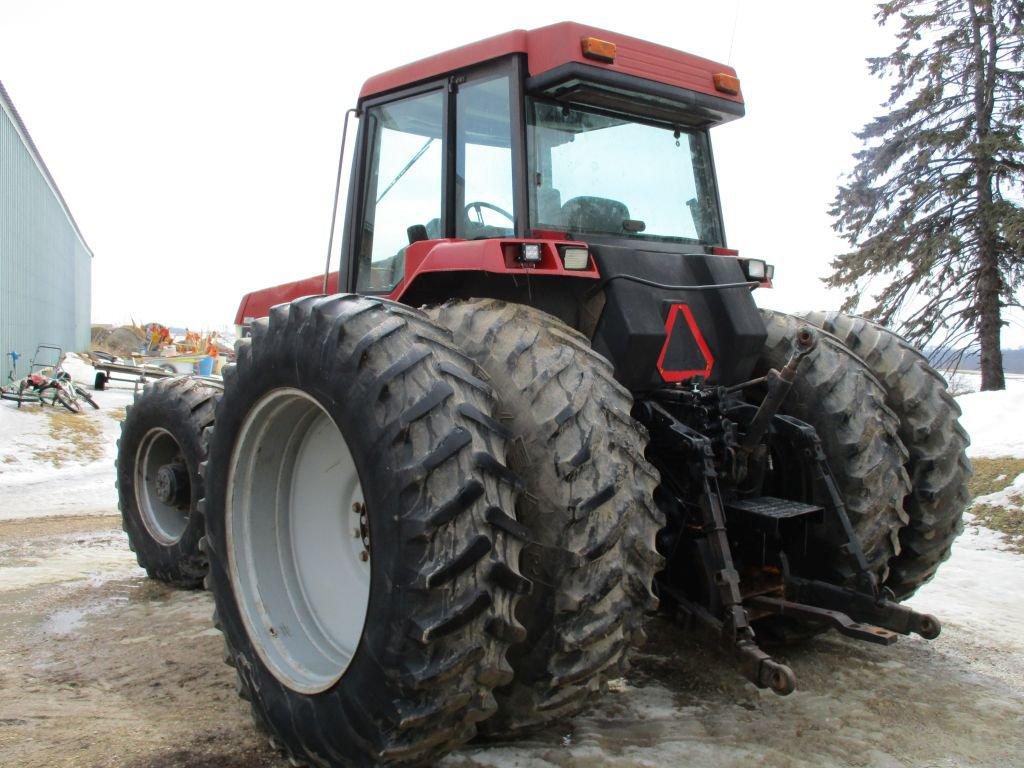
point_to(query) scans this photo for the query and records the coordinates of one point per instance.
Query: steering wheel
(479, 206)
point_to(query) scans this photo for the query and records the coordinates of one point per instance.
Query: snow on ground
(995, 420)
(1007, 497)
(979, 588)
(42, 474)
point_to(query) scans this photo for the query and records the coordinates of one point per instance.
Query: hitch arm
(731, 631)
(779, 383)
(864, 608)
(753, 663)
(838, 621)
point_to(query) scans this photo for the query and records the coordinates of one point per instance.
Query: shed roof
(19, 125)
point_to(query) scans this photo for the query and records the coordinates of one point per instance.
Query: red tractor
(441, 488)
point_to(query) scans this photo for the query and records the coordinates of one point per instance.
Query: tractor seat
(594, 214)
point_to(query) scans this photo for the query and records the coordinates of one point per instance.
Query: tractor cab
(565, 167)
(518, 148)
(568, 168)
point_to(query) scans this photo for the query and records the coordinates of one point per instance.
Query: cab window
(483, 163)
(404, 186)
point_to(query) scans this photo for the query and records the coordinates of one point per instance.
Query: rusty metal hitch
(837, 620)
(753, 663)
(853, 613)
(864, 609)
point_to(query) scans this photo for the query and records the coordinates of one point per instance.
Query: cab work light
(755, 269)
(530, 253)
(575, 258)
(600, 50)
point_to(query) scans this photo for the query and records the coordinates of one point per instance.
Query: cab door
(436, 161)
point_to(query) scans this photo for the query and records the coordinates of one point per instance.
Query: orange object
(727, 83)
(601, 50)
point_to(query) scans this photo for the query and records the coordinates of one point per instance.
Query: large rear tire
(928, 425)
(588, 504)
(836, 393)
(158, 483)
(352, 426)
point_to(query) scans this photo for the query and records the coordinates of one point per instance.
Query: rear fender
(499, 256)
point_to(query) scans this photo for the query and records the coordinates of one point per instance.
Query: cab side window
(404, 186)
(483, 176)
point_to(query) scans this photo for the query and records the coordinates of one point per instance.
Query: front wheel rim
(298, 540)
(165, 519)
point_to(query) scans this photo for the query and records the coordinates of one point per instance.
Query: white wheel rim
(298, 540)
(166, 522)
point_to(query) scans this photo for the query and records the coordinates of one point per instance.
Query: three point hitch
(738, 558)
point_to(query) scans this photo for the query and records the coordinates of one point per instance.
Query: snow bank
(31, 485)
(977, 587)
(1008, 497)
(995, 421)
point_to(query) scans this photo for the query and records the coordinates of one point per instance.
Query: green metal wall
(45, 266)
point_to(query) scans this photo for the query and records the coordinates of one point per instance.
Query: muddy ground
(101, 667)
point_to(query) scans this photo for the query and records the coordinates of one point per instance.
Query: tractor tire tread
(441, 654)
(588, 504)
(836, 393)
(937, 461)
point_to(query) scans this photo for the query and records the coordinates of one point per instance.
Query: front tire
(588, 504)
(377, 398)
(158, 483)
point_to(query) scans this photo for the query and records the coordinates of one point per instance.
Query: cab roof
(557, 45)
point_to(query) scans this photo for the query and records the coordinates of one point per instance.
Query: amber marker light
(600, 50)
(727, 83)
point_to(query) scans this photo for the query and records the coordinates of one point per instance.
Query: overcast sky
(196, 142)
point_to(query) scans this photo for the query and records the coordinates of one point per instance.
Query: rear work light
(754, 269)
(575, 258)
(529, 253)
(599, 50)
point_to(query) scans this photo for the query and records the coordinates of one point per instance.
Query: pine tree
(933, 206)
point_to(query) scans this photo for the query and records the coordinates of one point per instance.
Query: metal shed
(45, 263)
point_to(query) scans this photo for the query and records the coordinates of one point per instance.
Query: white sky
(196, 142)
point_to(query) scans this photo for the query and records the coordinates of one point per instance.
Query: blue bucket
(206, 366)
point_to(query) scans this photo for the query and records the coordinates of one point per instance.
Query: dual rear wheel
(890, 429)
(411, 541)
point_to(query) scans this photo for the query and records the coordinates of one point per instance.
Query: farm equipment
(47, 383)
(423, 524)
